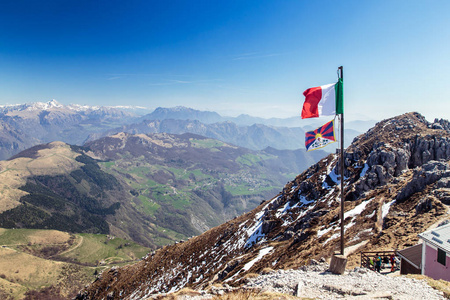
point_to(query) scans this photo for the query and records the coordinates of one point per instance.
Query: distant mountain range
(184, 113)
(25, 125)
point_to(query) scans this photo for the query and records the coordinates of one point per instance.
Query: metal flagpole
(341, 76)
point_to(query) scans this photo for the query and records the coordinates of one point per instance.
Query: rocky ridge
(395, 187)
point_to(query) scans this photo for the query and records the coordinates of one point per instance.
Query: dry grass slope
(30, 263)
(56, 158)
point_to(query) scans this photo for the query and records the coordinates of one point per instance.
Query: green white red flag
(325, 100)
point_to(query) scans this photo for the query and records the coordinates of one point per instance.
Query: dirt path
(71, 249)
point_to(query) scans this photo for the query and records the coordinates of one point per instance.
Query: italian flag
(325, 100)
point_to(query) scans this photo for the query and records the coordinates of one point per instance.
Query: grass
(251, 159)
(185, 174)
(12, 237)
(21, 271)
(180, 200)
(108, 164)
(148, 206)
(99, 247)
(247, 189)
(161, 241)
(206, 143)
(24, 271)
(440, 285)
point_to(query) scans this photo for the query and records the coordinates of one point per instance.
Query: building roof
(439, 237)
(413, 255)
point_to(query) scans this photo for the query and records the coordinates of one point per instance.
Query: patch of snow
(349, 225)
(259, 214)
(330, 172)
(369, 230)
(254, 234)
(331, 237)
(372, 214)
(282, 210)
(304, 201)
(334, 177)
(357, 210)
(261, 254)
(364, 170)
(323, 231)
(250, 264)
(385, 208)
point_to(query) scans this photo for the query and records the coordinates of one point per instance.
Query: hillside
(189, 183)
(57, 186)
(153, 189)
(396, 186)
(53, 264)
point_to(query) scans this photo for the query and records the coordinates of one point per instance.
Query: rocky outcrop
(441, 124)
(429, 173)
(428, 148)
(385, 162)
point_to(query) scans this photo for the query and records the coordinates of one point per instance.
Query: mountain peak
(183, 113)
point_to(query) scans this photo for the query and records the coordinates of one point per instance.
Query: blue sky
(253, 57)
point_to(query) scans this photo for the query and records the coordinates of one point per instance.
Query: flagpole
(341, 76)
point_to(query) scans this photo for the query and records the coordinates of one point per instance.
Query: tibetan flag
(320, 137)
(325, 100)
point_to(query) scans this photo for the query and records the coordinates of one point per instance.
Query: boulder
(424, 205)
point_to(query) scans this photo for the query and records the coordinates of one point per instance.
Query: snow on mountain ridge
(54, 104)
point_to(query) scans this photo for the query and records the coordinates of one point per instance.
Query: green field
(245, 189)
(95, 248)
(206, 143)
(35, 259)
(251, 159)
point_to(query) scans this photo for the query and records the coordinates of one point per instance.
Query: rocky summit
(396, 185)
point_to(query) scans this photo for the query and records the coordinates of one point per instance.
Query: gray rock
(428, 174)
(424, 205)
(437, 126)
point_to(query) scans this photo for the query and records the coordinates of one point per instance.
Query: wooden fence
(385, 258)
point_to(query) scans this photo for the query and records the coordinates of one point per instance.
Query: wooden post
(338, 264)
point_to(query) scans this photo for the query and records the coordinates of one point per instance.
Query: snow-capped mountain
(25, 125)
(396, 186)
